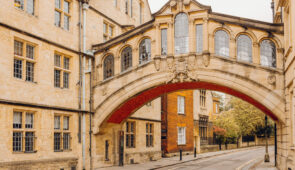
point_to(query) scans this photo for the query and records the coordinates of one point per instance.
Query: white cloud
(253, 9)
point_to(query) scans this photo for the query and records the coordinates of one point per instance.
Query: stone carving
(157, 62)
(271, 79)
(206, 59)
(104, 91)
(170, 61)
(186, 2)
(191, 61)
(180, 72)
(173, 3)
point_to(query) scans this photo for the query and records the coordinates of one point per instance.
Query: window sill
(24, 152)
(22, 80)
(26, 13)
(183, 114)
(181, 144)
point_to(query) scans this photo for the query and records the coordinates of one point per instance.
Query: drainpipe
(273, 10)
(85, 7)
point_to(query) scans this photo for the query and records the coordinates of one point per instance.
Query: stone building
(75, 73)
(45, 103)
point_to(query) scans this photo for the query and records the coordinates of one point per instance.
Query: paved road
(232, 161)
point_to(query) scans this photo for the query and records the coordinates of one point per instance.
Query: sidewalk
(261, 165)
(166, 162)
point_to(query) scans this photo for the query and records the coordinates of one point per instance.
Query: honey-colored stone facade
(110, 103)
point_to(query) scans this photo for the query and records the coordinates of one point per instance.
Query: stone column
(198, 144)
(256, 56)
(205, 35)
(191, 36)
(232, 48)
(170, 39)
(158, 40)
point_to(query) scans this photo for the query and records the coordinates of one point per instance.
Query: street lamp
(266, 157)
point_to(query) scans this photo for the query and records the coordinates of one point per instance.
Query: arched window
(221, 40)
(244, 48)
(126, 59)
(108, 67)
(181, 38)
(144, 51)
(268, 53)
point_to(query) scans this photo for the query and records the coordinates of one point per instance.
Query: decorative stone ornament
(104, 91)
(186, 2)
(173, 3)
(271, 79)
(157, 62)
(180, 72)
(191, 61)
(206, 58)
(170, 61)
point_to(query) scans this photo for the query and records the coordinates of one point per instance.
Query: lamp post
(266, 157)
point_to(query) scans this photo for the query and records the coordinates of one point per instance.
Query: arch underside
(120, 104)
(140, 99)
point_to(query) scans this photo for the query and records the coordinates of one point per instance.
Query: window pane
(244, 48)
(17, 120)
(29, 120)
(110, 31)
(57, 16)
(30, 71)
(164, 41)
(19, 4)
(18, 68)
(144, 51)
(105, 27)
(181, 38)
(30, 51)
(221, 43)
(17, 141)
(66, 80)
(66, 141)
(30, 6)
(66, 63)
(57, 4)
(29, 142)
(126, 58)
(57, 141)
(267, 53)
(66, 6)
(18, 48)
(199, 38)
(56, 78)
(180, 101)
(66, 123)
(108, 66)
(57, 60)
(66, 22)
(56, 122)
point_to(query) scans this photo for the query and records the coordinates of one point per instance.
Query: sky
(252, 9)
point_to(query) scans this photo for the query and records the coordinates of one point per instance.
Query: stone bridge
(187, 46)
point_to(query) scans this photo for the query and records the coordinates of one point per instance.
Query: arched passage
(120, 104)
(130, 106)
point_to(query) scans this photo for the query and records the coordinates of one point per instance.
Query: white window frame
(181, 105)
(181, 135)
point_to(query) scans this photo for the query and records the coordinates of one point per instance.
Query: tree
(241, 119)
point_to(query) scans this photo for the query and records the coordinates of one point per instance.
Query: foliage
(242, 119)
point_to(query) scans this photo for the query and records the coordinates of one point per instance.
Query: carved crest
(170, 61)
(157, 62)
(180, 72)
(271, 79)
(104, 91)
(206, 59)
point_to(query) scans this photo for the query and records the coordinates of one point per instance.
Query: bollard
(180, 154)
(195, 152)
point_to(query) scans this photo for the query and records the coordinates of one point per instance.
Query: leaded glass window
(108, 67)
(30, 6)
(181, 38)
(126, 59)
(267, 53)
(164, 41)
(199, 38)
(145, 51)
(244, 48)
(221, 40)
